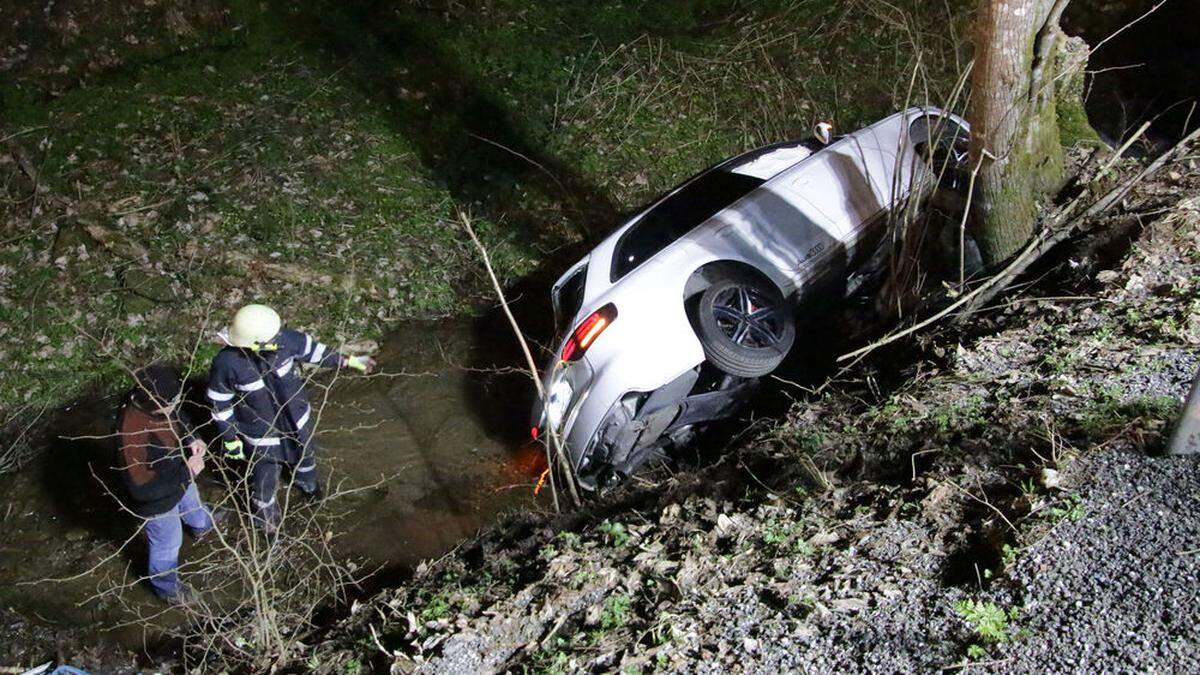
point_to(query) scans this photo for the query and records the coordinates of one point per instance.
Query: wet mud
(428, 452)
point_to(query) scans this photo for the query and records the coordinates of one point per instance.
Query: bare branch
(552, 433)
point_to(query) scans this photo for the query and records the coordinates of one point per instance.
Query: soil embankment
(1002, 503)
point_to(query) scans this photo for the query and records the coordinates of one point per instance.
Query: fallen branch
(20, 133)
(116, 242)
(124, 246)
(22, 159)
(1058, 228)
(1121, 150)
(289, 272)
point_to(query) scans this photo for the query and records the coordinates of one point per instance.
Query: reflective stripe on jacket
(260, 395)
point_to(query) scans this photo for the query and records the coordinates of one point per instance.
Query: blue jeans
(164, 533)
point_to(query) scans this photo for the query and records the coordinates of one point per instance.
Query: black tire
(745, 326)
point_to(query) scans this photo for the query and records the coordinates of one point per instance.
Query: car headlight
(557, 401)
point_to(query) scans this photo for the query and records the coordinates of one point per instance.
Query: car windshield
(568, 298)
(676, 215)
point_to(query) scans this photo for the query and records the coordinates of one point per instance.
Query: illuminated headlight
(557, 401)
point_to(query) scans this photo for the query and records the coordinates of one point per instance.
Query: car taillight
(587, 332)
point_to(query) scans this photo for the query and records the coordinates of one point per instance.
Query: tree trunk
(1015, 138)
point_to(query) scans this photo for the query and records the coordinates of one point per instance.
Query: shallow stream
(443, 441)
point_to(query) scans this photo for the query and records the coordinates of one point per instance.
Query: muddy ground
(1001, 501)
(418, 476)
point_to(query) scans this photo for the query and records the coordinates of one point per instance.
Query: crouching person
(159, 460)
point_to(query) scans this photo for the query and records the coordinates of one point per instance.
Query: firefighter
(260, 406)
(159, 460)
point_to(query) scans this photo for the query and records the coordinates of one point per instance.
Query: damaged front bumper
(639, 424)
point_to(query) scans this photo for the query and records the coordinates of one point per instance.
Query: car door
(780, 234)
(851, 186)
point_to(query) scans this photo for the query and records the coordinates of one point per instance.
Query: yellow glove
(234, 449)
(363, 364)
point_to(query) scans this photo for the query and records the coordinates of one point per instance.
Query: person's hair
(156, 386)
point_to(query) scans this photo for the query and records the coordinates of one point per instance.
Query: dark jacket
(260, 395)
(151, 460)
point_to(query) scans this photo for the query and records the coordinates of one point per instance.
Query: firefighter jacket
(259, 395)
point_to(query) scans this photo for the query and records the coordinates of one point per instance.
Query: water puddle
(449, 443)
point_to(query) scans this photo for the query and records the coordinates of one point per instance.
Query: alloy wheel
(748, 318)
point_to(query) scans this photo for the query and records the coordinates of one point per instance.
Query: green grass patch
(989, 624)
(343, 137)
(1109, 413)
(614, 533)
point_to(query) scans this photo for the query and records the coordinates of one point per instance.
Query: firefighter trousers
(265, 473)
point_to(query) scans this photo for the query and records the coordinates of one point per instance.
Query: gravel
(1118, 589)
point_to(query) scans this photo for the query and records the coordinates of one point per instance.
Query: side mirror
(823, 132)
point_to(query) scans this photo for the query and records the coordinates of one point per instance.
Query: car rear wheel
(745, 326)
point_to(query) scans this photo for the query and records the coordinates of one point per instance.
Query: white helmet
(253, 324)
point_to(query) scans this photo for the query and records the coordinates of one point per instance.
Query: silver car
(668, 323)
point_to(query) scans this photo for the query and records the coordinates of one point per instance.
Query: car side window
(677, 215)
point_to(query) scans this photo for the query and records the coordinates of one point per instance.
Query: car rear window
(568, 299)
(677, 215)
(936, 130)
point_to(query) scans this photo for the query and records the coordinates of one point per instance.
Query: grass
(786, 538)
(961, 415)
(253, 148)
(1110, 413)
(1009, 555)
(616, 612)
(614, 533)
(1071, 508)
(341, 140)
(569, 540)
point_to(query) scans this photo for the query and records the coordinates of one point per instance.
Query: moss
(1073, 125)
(1011, 210)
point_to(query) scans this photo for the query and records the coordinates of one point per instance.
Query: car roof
(766, 163)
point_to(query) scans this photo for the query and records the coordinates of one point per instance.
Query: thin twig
(1131, 23)
(984, 502)
(527, 159)
(533, 370)
(1121, 150)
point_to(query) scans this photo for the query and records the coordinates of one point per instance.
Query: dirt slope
(1001, 504)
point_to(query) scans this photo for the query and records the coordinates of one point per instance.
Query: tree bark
(1014, 128)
